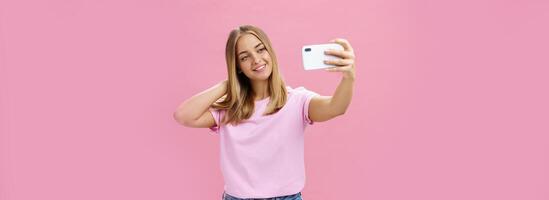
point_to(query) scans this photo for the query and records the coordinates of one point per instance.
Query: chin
(267, 75)
(261, 78)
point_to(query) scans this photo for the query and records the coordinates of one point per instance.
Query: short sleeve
(305, 96)
(217, 118)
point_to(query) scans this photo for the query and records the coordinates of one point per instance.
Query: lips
(260, 68)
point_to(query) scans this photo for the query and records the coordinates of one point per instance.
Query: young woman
(260, 120)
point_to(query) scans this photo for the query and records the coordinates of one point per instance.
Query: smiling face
(249, 50)
(253, 58)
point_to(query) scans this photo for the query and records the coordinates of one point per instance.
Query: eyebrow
(254, 47)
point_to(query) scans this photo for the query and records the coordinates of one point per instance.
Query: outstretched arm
(323, 108)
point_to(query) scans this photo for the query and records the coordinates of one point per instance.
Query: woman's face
(253, 58)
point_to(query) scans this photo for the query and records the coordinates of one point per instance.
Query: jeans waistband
(288, 197)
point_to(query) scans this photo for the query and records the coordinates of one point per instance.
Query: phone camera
(307, 49)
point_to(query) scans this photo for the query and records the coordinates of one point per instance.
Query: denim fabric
(289, 197)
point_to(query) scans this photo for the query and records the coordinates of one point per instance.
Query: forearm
(342, 95)
(194, 107)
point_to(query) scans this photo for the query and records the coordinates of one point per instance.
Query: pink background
(451, 98)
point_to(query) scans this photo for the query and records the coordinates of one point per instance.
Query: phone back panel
(313, 55)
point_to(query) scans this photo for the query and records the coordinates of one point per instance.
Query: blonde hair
(239, 100)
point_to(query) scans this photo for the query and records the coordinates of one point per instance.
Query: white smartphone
(313, 55)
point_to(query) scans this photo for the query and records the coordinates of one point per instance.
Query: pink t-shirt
(262, 157)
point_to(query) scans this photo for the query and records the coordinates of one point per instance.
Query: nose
(257, 58)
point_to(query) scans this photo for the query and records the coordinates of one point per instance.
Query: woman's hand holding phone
(346, 61)
(337, 56)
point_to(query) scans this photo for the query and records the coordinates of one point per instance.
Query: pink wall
(451, 97)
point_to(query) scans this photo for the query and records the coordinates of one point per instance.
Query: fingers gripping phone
(313, 55)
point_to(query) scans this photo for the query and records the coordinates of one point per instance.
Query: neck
(261, 89)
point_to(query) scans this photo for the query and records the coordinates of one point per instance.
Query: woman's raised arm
(193, 112)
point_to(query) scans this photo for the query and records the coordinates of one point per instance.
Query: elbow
(180, 119)
(187, 124)
(340, 112)
(337, 109)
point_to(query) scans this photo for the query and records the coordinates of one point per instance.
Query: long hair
(239, 100)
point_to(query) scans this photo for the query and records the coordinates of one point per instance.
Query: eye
(244, 58)
(261, 50)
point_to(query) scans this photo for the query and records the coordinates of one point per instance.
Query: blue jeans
(289, 197)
